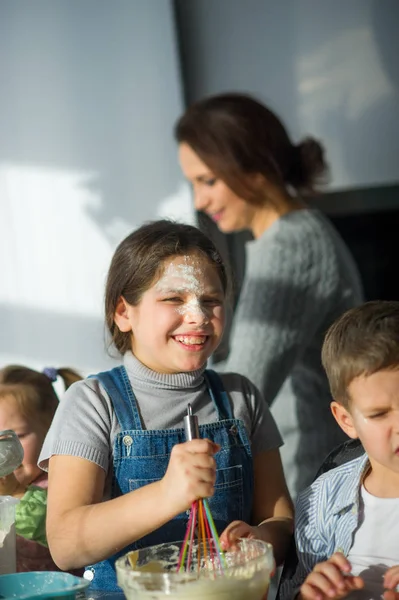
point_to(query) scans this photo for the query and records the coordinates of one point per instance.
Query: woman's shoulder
(303, 244)
(295, 237)
(307, 225)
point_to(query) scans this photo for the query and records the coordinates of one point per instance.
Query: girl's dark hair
(139, 260)
(33, 390)
(235, 135)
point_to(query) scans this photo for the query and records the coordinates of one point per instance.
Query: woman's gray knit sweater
(299, 278)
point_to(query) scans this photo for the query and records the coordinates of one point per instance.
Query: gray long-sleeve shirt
(299, 278)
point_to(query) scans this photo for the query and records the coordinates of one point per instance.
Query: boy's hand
(190, 475)
(391, 581)
(234, 531)
(391, 595)
(330, 580)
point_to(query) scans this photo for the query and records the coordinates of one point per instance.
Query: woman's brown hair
(34, 391)
(139, 259)
(235, 136)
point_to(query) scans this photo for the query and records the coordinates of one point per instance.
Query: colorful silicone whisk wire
(200, 523)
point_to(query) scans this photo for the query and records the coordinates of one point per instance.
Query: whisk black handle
(191, 424)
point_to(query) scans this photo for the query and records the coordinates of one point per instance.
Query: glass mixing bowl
(11, 452)
(151, 573)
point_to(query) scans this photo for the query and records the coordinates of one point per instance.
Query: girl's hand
(190, 475)
(391, 581)
(330, 580)
(235, 531)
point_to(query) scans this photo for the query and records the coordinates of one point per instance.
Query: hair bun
(311, 165)
(312, 152)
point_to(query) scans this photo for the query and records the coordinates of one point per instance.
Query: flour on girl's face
(185, 278)
(187, 299)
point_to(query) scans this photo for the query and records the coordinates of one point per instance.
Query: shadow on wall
(349, 89)
(347, 78)
(329, 69)
(77, 103)
(86, 155)
(36, 329)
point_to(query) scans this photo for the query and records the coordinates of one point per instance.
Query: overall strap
(117, 385)
(218, 395)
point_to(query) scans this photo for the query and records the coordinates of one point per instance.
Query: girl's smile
(192, 342)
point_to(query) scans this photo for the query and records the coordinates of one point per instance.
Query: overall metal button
(127, 440)
(89, 574)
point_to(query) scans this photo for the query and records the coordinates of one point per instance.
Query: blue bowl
(41, 584)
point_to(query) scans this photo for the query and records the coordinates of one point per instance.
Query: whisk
(200, 521)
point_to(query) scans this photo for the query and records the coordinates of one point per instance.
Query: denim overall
(141, 457)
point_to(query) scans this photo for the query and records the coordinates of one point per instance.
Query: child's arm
(330, 580)
(81, 529)
(272, 514)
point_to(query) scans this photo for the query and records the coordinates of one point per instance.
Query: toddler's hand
(330, 580)
(8, 485)
(191, 474)
(391, 581)
(234, 531)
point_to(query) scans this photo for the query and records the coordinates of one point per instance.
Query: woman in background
(247, 175)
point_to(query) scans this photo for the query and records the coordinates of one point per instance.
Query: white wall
(328, 67)
(89, 94)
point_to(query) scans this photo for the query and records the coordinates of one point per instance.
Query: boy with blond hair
(347, 521)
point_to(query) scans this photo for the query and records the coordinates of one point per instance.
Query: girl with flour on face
(121, 475)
